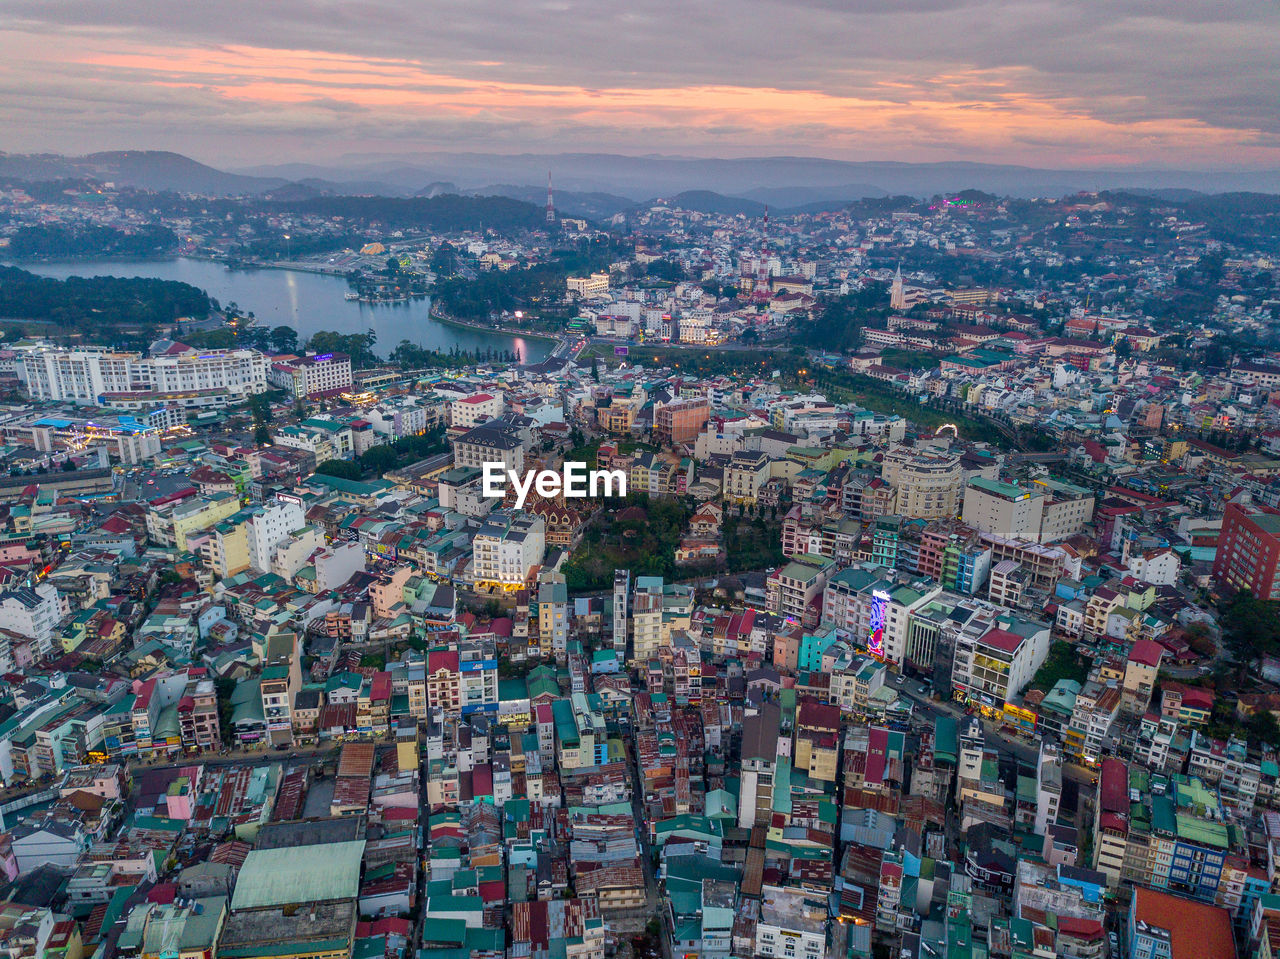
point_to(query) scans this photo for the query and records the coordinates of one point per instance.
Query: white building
(621, 590)
(312, 374)
(396, 419)
(597, 284)
(270, 526)
(337, 564)
(179, 377)
(475, 409)
(792, 925)
(33, 612)
(998, 664)
(506, 549)
(1004, 509)
(292, 554)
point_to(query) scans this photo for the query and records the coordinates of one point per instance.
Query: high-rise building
(621, 593)
(1248, 554)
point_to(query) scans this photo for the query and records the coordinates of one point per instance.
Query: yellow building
(226, 551)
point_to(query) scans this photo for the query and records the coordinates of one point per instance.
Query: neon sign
(875, 632)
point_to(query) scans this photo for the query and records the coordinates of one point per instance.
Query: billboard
(875, 629)
(620, 350)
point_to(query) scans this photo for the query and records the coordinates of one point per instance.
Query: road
(1022, 751)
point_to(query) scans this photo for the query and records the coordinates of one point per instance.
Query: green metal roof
(321, 873)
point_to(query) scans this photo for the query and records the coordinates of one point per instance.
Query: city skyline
(1050, 84)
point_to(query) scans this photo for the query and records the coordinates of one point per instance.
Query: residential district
(956, 640)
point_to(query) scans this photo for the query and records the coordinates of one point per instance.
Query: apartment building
(1248, 555)
(996, 665)
(745, 473)
(32, 611)
(506, 549)
(680, 421)
(489, 444)
(475, 409)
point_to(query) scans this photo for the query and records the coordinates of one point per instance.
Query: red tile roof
(1196, 930)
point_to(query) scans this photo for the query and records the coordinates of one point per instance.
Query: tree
(359, 346)
(1251, 627)
(1262, 727)
(284, 339)
(260, 409)
(343, 469)
(378, 459)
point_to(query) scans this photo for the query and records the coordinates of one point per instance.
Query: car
(922, 689)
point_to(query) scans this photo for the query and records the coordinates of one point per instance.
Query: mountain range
(598, 186)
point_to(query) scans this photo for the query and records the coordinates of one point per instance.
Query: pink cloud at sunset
(888, 81)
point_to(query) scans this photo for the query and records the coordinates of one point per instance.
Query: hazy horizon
(1056, 84)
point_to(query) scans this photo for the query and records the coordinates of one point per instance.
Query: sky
(1053, 83)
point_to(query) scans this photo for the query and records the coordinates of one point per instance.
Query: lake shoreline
(502, 331)
(309, 301)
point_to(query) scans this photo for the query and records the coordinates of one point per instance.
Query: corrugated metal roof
(272, 877)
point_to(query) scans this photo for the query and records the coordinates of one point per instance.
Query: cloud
(1053, 82)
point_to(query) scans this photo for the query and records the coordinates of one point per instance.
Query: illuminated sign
(875, 631)
(620, 351)
(323, 357)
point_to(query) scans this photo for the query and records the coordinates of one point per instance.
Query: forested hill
(98, 301)
(448, 213)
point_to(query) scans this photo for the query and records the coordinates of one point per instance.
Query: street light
(287, 247)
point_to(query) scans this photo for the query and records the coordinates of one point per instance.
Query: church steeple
(897, 296)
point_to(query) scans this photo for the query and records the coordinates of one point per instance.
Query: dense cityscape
(933, 611)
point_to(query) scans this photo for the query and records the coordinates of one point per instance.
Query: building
(506, 549)
(792, 924)
(198, 715)
(32, 612)
(475, 409)
(271, 525)
(745, 473)
(994, 666)
(178, 376)
(1162, 926)
(1068, 509)
(1046, 511)
(489, 444)
(313, 374)
(295, 901)
(927, 484)
(621, 593)
(680, 421)
(171, 524)
(597, 284)
(795, 591)
(1248, 554)
(1005, 509)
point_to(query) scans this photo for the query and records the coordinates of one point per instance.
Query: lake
(308, 302)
